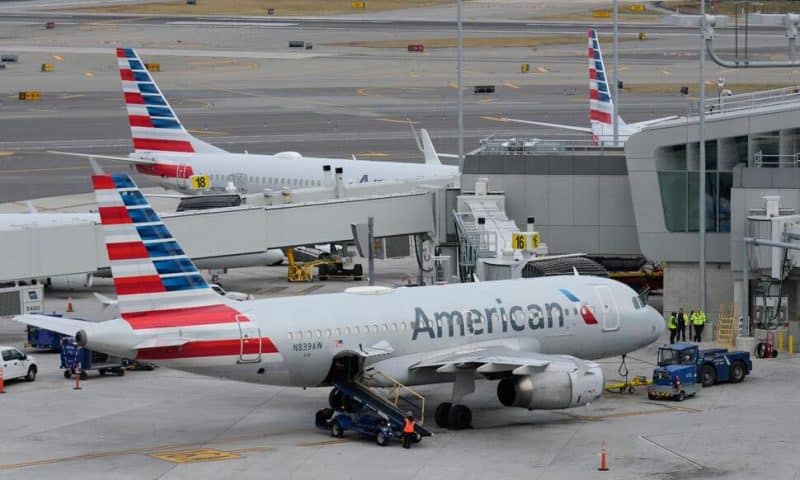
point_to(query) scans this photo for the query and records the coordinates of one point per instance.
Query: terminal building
(643, 200)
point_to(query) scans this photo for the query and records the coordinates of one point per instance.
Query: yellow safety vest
(673, 322)
(699, 319)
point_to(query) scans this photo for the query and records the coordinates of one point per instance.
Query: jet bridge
(77, 245)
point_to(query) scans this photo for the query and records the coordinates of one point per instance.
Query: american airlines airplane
(535, 337)
(164, 149)
(601, 105)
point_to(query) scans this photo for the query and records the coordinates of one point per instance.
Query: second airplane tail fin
(601, 104)
(155, 128)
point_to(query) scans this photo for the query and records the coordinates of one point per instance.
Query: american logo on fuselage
(586, 312)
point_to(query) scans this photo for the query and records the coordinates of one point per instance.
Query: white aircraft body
(536, 336)
(601, 106)
(164, 149)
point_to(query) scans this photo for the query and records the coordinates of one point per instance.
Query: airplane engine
(551, 390)
(76, 281)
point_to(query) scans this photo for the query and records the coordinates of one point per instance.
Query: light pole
(615, 110)
(720, 86)
(460, 90)
(702, 170)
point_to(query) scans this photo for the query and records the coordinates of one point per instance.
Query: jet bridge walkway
(381, 405)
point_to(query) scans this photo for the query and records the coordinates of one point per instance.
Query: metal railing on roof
(516, 146)
(748, 101)
(787, 160)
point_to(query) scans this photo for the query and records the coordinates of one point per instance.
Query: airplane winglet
(575, 272)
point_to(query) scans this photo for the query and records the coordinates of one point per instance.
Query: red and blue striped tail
(157, 285)
(600, 104)
(155, 128)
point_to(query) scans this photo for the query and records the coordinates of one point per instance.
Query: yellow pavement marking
(75, 95)
(372, 154)
(392, 120)
(414, 75)
(493, 119)
(542, 70)
(5, 153)
(88, 74)
(205, 132)
(510, 85)
(35, 170)
(622, 69)
(486, 100)
(666, 72)
(324, 443)
(362, 92)
(452, 85)
(196, 456)
(58, 57)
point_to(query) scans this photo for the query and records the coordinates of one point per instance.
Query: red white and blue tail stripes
(157, 285)
(600, 102)
(154, 125)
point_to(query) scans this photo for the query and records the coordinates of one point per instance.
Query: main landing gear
(454, 415)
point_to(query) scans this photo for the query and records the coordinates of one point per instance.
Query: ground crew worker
(408, 430)
(690, 322)
(699, 322)
(681, 336)
(673, 327)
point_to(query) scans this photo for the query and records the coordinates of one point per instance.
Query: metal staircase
(401, 399)
(726, 326)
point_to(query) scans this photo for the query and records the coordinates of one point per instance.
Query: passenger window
(338, 332)
(403, 326)
(7, 355)
(374, 329)
(394, 327)
(308, 334)
(299, 335)
(319, 333)
(328, 332)
(384, 328)
(355, 330)
(290, 336)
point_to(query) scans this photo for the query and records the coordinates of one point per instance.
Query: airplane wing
(552, 125)
(65, 326)
(138, 161)
(499, 359)
(654, 121)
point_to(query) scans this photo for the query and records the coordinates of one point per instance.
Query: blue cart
(43, 339)
(78, 360)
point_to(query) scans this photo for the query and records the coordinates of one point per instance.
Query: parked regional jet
(601, 105)
(535, 336)
(164, 149)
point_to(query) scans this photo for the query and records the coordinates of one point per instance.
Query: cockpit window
(640, 301)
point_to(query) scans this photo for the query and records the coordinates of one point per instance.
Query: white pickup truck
(17, 364)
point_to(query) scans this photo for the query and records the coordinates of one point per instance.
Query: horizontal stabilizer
(138, 161)
(551, 125)
(65, 326)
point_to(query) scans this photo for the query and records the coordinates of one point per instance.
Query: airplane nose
(658, 325)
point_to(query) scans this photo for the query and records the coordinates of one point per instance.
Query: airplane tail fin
(431, 157)
(157, 285)
(155, 128)
(601, 104)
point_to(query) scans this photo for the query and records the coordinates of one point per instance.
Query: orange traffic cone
(69, 305)
(2, 382)
(603, 459)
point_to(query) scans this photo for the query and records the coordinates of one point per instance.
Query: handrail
(395, 394)
(785, 160)
(750, 100)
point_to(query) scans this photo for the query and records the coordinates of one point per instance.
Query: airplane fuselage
(288, 169)
(292, 341)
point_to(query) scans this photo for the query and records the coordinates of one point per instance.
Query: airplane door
(607, 308)
(250, 340)
(182, 179)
